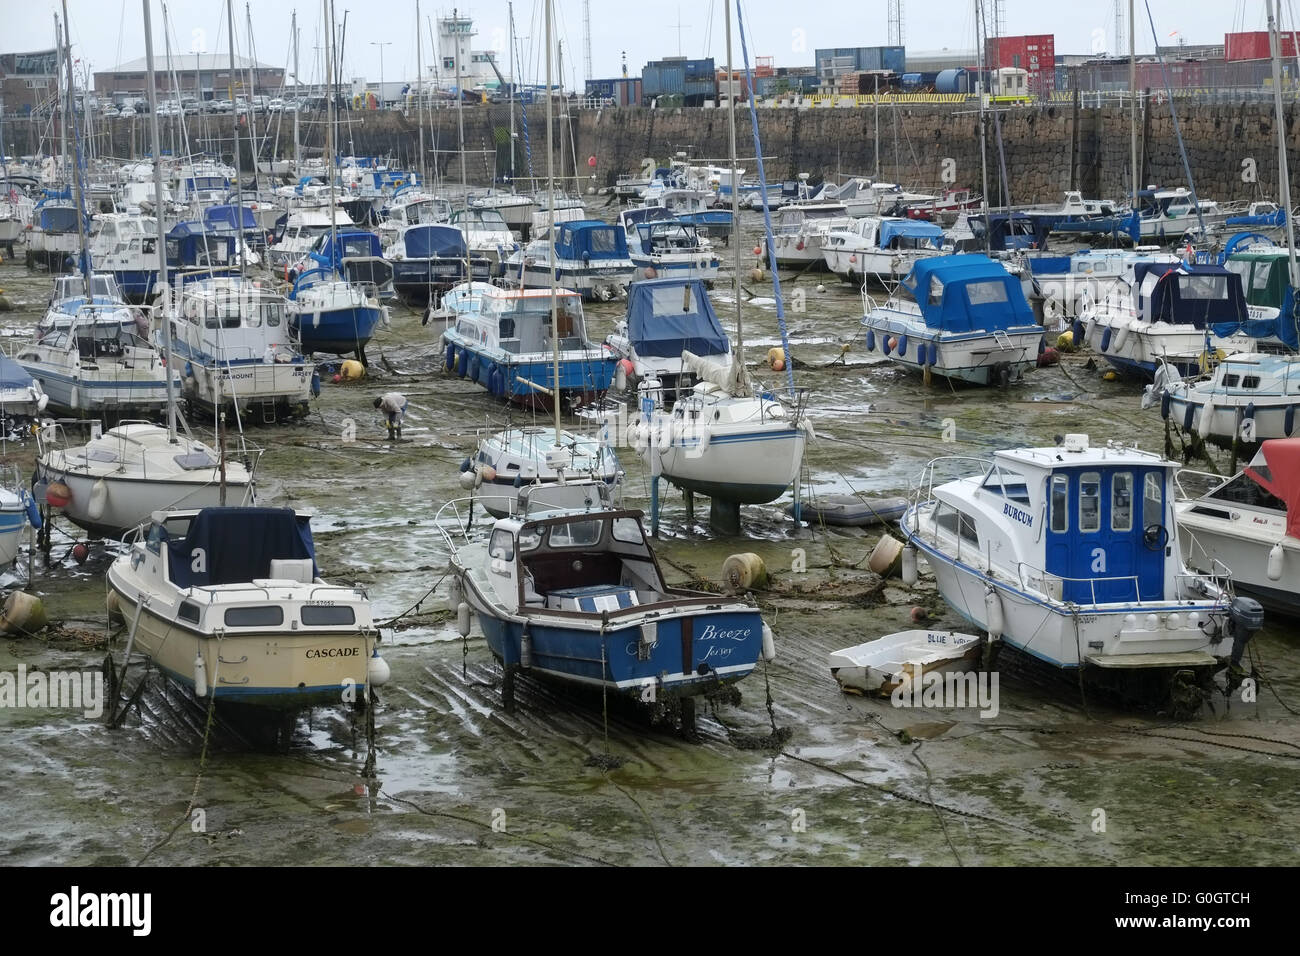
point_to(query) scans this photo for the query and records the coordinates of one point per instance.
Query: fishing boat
(21, 397)
(234, 342)
(228, 603)
(502, 339)
(1072, 555)
(801, 230)
(660, 245)
(547, 473)
(1247, 398)
(883, 248)
(878, 667)
(1248, 525)
(666, 318)
(1178, 315)
(962, 317)
(588, 256)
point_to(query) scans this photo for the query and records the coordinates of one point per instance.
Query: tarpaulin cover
(1276, 469)
(590, 238)
(968, 293)
(12, 375)
(223, 217)
(434, 242)
(238, 545)
(658, 326)
(909, 229)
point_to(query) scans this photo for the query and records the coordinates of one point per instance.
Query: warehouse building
(28, 81)
(204, 76)
(678, 81)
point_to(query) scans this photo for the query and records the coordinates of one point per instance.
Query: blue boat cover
(658, 326)
(13, 375)
(223, 217)
(238, 545)
(909, 229)
(1275, 218)
(967, 293)
(590, 239)
(351, 244)
(434, 242)
(1199, 296)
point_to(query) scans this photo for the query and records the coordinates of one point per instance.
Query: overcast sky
(106, 33)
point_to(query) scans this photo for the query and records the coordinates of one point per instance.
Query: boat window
(1263, 269)
(603, 240)
(1231, 381)
(261, 615)
(325, 614)
(1121, 501)
(502, 545)
(1009, 484)
(1060, 496)
(271, 314)
(1250, 381)
(188, 611)
(195, 460)
(627, 530)
(1089, 501)
(529, 539)
(957, 523)
(575, 534)
(1243, 490)
(1153, 511)
(986, 293)
(936, 291)
(1203, 287)
(157, 535)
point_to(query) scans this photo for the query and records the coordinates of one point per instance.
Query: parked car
(191, 105)
(111, 111)
(275, 105)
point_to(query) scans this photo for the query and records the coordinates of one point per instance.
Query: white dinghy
(879, 666)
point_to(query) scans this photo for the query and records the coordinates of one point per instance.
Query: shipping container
(1035, 54)
(830, 62)
(1254, 46)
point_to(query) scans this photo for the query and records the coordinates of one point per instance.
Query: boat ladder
(1004, 342)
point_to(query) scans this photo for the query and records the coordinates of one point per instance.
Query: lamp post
(381, 44)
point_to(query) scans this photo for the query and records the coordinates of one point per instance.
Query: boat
(1247, 398)
(529, 463)
(250, 240)
(587, 256)
(429, 259)
(228, 603)
(1071, 285)
(354, 255)
(883, 248)
(334, 306)
(1178, 315)
(487, 235)
(17, 511)
(962, 317)
(800, 233)
(300, 231)
(52, 234)
(514, 208)
(1248, 525)
(879, 667)
(864, 196)
(234, 342)
(660, 245)
(125, 245)
(550, 208)
(196, 253)
(666, 318)
(1071, 554)
(1169, 215)
(411, 206)
(692, 206)
(850, 511)
(578, 597)
(945, 209)
(15, 215)
(502, 339)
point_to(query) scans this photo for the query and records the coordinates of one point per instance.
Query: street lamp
(381, 44)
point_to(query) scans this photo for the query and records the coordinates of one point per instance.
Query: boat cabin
(519, 321)
(590, 241)
(70, 291)
(1200, 296)
(356, 256)
(967, 293)
(221, 220)
(192, 247)
(666, 317)
(232, 320)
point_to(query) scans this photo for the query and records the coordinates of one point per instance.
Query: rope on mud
(929, 779)
(416, 606)
(1256, 662)
(487, 826)
(654, 831)
(203, 761)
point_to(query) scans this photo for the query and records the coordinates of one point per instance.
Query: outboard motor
(1245, 618)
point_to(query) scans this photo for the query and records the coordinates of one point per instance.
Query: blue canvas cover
(13, 375)
(238, 545)
(968, 293)
(351, 244)
(658, 326)
(1199, 296)
(434, 242)
(590, 239)
(1275, 218)
(222, 218)
(909, 229)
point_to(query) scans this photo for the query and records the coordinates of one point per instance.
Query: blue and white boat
(1071, 554)
(1071, 285)
(665, 318)
(1178, 315)
(577, 597)
(661, 245)
(693, 206)
(430, 258)
(590, 257)
(353, 254)
(126, 245)
(327, 313)
(883, 248)
(53, 238)
(17, 510)
(221, 220)
(196, 253)
(961, 317)
(501, 339)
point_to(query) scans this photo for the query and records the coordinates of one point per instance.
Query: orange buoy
(58, 495)
(758, 251)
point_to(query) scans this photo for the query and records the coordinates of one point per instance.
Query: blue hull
(499, 372)
(338, 333)
(136, 286)
(694, 653)
(716, 223)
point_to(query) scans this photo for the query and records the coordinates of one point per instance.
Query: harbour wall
(1043, 150)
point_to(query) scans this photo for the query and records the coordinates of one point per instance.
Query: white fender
(1276, 556)
(462, 619)
(910, 574)
(453, 595)
(200, 677)
(993, 611)
(1207, 418)
(769, 644)
(620, 377)
(98, 500)
(1121, 336)
(377, 670)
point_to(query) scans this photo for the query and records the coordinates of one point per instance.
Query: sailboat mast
(297, 160)
(329, 113)
(1283, 176)
(254, 148)
(1133, 104)
(511, 8)
(63, 117)
(239, 202)
(79, 199)
(984, 161)
(550, 223)
(419, 91)
(738, 362)
(460, 123)
(164, 300)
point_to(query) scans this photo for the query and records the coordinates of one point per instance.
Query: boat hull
(976, 358)
(748, 467)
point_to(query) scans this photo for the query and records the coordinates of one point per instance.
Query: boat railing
(868, 301)
(1053, 585)
(925, 482)
(1209, 482)
(451, 511)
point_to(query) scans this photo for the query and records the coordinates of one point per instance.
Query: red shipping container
(1035, 54)
(1254, 45)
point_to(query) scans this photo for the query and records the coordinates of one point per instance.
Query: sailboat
(723, 438)
(118, 479)
(577, 596)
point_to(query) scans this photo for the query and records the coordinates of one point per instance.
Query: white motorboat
(801, 230)
(1169, 215)
(1248, 398)
(1248, 524)
(1072, 555)
(21, 397)
(299, 233)
(588, 256)
(660, 245)
(882, 248)
(879, 666)
(487, 235)
(527, 464)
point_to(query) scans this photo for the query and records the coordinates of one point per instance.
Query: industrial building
(832, 63)
(1035, 54)
(678, 81)
(204, 76)
(28, 81)
(622, 90)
